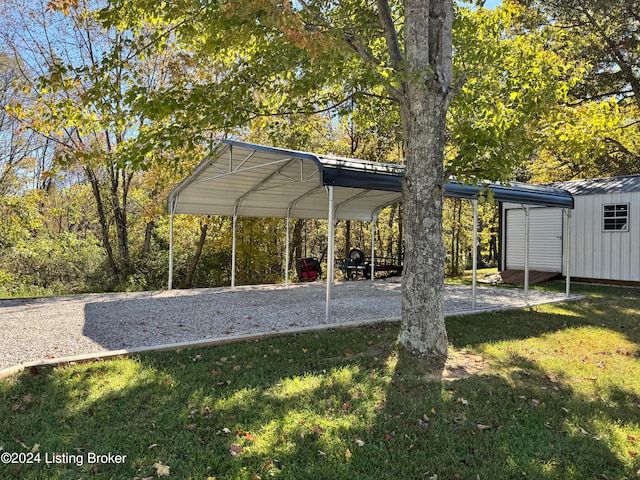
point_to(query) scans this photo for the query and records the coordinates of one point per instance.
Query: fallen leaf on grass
(347, 454)
(153, 445)
(161, 470)
(482, 427)
(35, 448)
(317, 429)
(633, 454)
(235, 450)
(463, 401)
(192, 426)
(631, 438)
(360, 443)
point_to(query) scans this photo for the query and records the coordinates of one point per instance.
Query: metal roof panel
(601, 186)
(262, 181)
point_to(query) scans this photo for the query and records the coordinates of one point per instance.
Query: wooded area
(108, 105)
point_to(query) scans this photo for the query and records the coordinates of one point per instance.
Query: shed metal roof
(259, 181)
(515, 192)
(601, 186)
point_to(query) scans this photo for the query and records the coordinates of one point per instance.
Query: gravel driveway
(45, 328)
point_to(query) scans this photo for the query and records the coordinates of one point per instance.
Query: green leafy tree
(597, 134)
(515, 80)
(24, 156)
(78, 79)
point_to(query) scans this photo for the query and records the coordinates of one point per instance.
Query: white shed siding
(545, 239)
(611, 255)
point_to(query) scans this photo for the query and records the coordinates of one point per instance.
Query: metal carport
(243, 179)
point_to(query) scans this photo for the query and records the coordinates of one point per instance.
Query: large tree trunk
(423, 111)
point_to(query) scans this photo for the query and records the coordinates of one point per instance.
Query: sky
(492, 3)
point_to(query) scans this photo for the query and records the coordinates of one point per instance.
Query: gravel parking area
(59, 327)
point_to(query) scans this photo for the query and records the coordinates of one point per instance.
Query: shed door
(545, 239)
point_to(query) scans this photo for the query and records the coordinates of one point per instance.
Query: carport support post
(171, 213)
(526, 254)
(233, 251)
(567, 254)
(374, 218)
(330, 254)
(474, 254)
(286, 254)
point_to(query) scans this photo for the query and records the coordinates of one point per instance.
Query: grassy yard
(557, 396)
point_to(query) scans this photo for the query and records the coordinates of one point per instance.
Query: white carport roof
(249, 180)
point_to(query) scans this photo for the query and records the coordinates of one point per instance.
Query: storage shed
(604, 232)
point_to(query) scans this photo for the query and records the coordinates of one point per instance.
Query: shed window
(615, 218)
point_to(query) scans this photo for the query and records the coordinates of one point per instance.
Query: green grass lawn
(558, 396)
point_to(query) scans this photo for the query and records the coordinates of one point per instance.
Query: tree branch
(456, 88)
(351, 39)
(600, 96)
(615, 51)
(255, 115)
(390, 34)
(621, 147)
